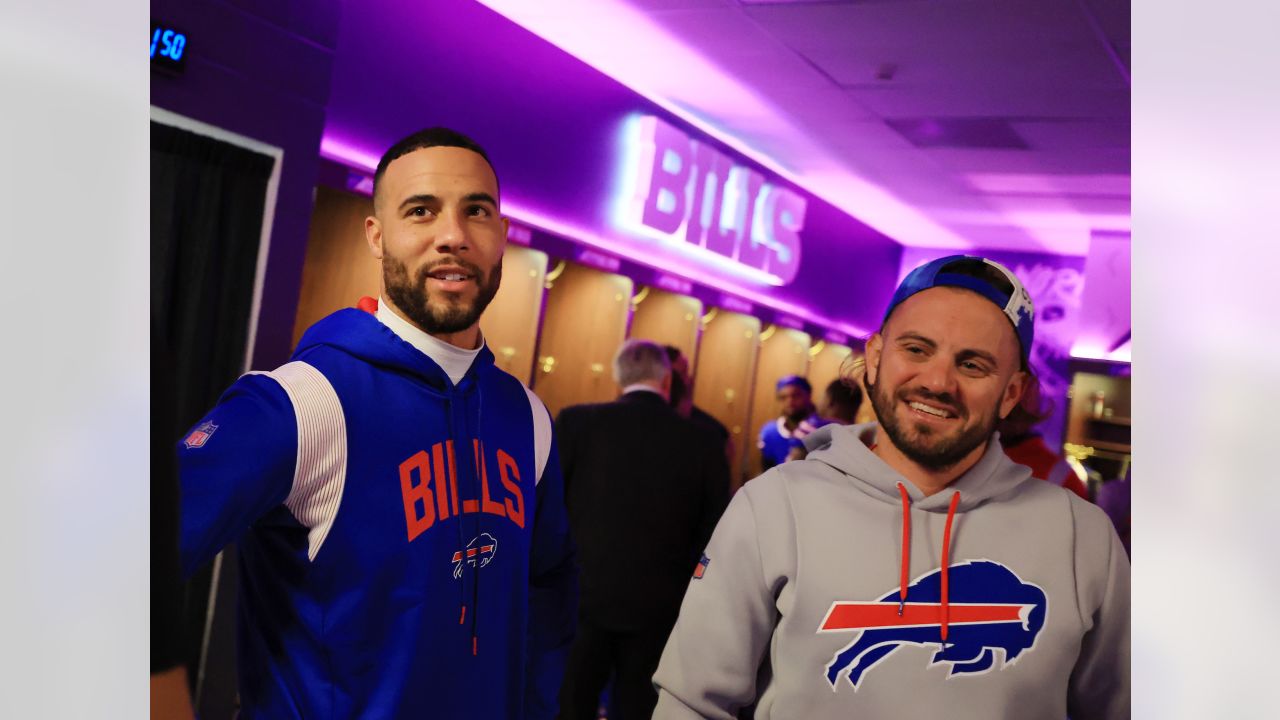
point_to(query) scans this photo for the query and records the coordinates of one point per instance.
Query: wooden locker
(585, 323)
(510, 324)
(338, 268)
(783, 351)
(829, 362)
(667, 319)
(722, 381)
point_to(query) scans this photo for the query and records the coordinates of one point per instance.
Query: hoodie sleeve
(709, 667)
(235, 465)
(553, 594)
(1100, 685)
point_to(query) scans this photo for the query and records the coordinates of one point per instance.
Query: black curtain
(207, 202)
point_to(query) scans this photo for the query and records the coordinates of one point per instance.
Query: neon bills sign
(691, 196)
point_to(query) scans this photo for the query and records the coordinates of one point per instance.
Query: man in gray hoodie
(909, 568)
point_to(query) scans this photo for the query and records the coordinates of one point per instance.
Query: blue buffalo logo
(990, 611)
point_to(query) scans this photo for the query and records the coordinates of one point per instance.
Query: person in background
(1027, 447)
(644, 488)
(682, 401)
(908, 568)
(797, 418)
(840, 401)
(395, 498)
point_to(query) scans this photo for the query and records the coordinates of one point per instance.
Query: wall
(261, 69)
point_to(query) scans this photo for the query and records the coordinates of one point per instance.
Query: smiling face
(941, 373)
(437, 231)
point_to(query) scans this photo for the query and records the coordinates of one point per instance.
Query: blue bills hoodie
(402, 540)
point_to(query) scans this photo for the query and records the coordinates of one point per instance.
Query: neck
(793, 421)
(467, 339)
(930, 481)
(646, 385)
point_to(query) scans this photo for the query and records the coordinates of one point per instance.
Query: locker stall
(668, 319)
(724, 375)
(510, 325)
(339, 269)
(828, 361)
(585, 322)
(783, 351)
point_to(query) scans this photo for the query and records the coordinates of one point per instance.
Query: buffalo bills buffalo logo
(990, 611)
(481, 549)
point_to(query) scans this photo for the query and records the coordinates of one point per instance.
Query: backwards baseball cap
(988, 278)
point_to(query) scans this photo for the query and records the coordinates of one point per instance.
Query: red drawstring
(463, 616)
(906, 547)
(945, 604)
(946, 561)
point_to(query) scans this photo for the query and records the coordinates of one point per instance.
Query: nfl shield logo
(200, 435)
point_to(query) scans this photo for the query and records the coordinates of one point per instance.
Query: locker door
(510, 324)
(722, 381)
(829, 362)
(668, 319)
(586, 321)
(338, 268)
(783, 351)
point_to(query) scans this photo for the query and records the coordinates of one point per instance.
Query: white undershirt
(452, 359)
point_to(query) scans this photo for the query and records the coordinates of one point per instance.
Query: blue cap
(794, 380)
(988, 278)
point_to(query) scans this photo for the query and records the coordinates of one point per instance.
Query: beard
(921, 443)
(438, 316)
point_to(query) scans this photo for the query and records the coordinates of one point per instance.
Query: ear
(373, 235)
(1013, 392)
(506, 227)
(875, 346)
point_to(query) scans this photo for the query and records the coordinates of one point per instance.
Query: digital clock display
(168, 48)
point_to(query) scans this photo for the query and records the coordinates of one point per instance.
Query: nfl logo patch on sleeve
(200, 435)
(701, 569)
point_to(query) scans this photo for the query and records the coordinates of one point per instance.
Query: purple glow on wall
(676, 77)
(651, 257)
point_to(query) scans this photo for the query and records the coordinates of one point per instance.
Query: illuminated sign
(688, 194)
(168, 48)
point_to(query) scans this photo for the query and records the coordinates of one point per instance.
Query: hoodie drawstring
(946, 561)
(944, 606)
(906, 548)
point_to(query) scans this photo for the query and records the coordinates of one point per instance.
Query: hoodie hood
(847, 449)
(360, 334)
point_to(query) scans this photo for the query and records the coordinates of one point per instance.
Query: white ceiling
(828, 82)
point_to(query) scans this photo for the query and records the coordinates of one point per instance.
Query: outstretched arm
(235, 465)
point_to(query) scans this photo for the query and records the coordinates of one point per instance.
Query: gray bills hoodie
(833, 588)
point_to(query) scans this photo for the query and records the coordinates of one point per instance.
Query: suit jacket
(644, 488)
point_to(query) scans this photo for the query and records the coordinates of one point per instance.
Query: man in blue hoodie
(395, 498)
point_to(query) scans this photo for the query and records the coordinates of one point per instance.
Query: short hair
(640, 360)
(428, 138)
(846, 395)
(795, 380)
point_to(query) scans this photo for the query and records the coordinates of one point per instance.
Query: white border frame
(172, 119)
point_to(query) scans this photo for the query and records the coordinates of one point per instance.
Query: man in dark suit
(644, 488)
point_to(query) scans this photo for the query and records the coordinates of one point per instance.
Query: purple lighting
(689, 196)
(656, 256)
